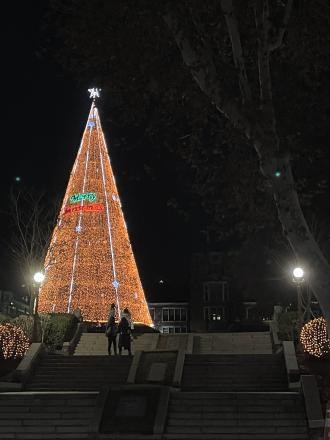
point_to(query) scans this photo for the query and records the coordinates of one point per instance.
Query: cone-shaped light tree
(90, 263)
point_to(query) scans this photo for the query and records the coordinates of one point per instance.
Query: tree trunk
(259, 126)
(295, 228)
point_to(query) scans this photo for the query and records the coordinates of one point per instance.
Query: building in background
(12, 304)
(209, 293)
(6, 302)
(170, 317)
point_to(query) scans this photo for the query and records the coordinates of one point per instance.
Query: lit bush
(314, 338)
(13, 342)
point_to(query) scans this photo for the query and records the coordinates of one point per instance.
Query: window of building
(183, 315)
(215, 291)
(152, 313)
(174, 329)
(165, 316)
(216, 313)
(213, 313)
(168, 329)
(174, 314)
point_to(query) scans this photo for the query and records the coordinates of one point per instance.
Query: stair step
(238, 430)
(263, 416)
(233, 415)
(57, 372)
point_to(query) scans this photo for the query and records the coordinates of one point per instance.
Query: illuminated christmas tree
(90, 263)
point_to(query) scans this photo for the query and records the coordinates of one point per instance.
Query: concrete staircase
(212, 372)
(223, 396)
(172, 341)
(233, 343)
(46, 416)
(236, 416)
(81, 373)
(93, 344)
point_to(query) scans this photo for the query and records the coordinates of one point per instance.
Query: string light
(90, 263)
(13, 342)
(314, 337)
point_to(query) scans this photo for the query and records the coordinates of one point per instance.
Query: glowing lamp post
(38, 278)
(298, 275)
(303, 305)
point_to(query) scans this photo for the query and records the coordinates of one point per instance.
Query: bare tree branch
(32, 221)
(265, 81)
(232, 26)
(277, 41)
(198, 58)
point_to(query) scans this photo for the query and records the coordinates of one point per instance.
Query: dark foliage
(126, 48)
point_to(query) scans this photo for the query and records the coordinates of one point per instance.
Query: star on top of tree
(94, 93)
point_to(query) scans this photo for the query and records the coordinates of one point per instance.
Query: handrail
(69, 346)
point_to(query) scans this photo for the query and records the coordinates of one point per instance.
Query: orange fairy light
(90, 263)
(314, 337)
(13, 342)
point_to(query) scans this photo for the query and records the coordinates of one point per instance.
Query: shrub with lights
(13, 342)
(314, 338)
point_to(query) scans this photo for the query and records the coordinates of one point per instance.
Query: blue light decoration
(278, 173)
(17, 179)
(115, 284)
(90, 124)
(78, 229)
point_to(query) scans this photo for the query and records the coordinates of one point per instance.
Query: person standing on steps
(124, 331)
(127, 314)
(111, 330)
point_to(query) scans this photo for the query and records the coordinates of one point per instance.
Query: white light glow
(298, 272)
(94, 93)
(38, 277)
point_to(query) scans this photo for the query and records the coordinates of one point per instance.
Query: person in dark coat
(124, 331)
(127, 314)
(111, 330)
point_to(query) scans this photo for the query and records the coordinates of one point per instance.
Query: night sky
(45, 114)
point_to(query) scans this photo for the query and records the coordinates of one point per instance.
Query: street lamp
(38, 278)
(298, 274)
(303, 304)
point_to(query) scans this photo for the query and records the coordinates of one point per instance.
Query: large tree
(261, 65)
